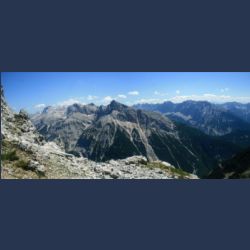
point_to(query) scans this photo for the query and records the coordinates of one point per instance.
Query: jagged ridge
(212, 119)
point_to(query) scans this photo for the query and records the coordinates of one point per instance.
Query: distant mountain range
(212, 119)
(185, 135)
(238, 109)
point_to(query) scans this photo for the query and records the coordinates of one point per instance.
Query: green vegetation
(22, 164)
(238, 167)
(13, 157)
(9, 156)
(16, 159)
(210, 150)
(179, 172)
(121, 148)
(175, 171)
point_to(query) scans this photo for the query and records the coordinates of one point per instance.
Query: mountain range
(25, 154)
(165, 140)
(212, 119)
(193, 136)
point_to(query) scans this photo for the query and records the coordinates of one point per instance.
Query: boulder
(166, 164)
(136, 160)
(23, 114)
(37, 167)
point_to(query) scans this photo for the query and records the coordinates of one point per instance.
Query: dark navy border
(124, 214)
(124, 36)
(135, 35)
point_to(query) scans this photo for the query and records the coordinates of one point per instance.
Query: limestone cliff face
(26, 154)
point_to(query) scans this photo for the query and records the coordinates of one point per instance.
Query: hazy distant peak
(46, 109)
(116, 105)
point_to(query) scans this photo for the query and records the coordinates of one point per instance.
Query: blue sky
(33, 91)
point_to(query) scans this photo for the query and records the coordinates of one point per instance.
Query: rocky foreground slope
(26, 154)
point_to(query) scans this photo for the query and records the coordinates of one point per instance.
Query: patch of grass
(4, 143)
(22, 164)
(16, 159)
(9, 156)
(179, 172)
(152, 165)
(175, 171)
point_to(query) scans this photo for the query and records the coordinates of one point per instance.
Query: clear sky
(34, 91)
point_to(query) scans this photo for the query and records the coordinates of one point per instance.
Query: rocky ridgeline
(26, 154)
(212, 119)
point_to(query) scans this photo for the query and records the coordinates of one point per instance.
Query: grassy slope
(15, 162)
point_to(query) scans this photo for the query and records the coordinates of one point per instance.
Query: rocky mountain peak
(83, 109)
(114, 105)
(74, 108)
(1, 90)
(6, 112)
(2, 96)
(23, 114)
(46, 109)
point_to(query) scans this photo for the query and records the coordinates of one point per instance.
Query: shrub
(22, 164)
(9, 156)
(179, 171)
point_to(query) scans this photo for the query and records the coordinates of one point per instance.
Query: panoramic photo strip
(125, 125)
